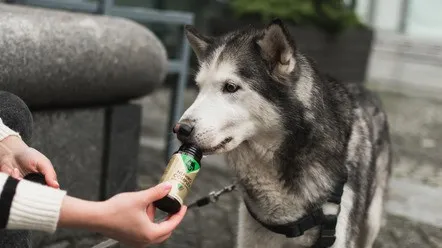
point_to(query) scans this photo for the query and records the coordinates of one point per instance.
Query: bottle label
(180, 172)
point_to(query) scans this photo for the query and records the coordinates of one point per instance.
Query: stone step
(415, 201)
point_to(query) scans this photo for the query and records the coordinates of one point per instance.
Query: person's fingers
(151, 212)
(171, 223)
(16, 174)
(45, 167)
(5, 168)
(157, 192)
(7, 164)
(163, 238)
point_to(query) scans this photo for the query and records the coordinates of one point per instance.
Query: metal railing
(178, 66)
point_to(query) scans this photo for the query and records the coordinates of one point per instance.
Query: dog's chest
(257, 172)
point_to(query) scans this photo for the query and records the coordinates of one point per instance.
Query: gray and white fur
(290, 133)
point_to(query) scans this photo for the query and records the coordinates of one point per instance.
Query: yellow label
(180, 172)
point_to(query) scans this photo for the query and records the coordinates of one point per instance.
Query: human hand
(129, 217)
(126, 217)
(18, 159)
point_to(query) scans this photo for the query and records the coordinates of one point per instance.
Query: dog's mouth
(217, 147)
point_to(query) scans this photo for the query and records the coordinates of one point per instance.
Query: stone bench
(78, 74)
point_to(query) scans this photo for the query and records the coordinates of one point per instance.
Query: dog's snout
(176, 128)
(183, 131)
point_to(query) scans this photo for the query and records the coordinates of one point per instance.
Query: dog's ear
(277, 47)
(197, 41)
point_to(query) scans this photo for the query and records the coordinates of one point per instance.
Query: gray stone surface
(123, 124)
(415, 124)
(402, 233)
(53, 58)
(73, 141)
(94, 152)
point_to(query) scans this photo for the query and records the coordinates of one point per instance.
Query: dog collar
(317, 217)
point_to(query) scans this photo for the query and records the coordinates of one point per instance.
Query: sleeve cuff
(6, 131)
(35, 207)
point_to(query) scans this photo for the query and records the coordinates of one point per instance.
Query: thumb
(45, 167)
(157, 192)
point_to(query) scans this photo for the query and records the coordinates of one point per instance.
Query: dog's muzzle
(183, 132)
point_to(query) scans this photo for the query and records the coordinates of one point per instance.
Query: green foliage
(331, 16)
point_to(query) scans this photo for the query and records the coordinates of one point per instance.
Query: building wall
(423, 20)
(409, 59)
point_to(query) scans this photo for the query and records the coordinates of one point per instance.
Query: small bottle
(181, 171)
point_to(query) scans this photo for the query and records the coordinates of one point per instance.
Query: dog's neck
(256, 167)
(257, 164)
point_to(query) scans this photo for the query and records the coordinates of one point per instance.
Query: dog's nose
(183, 131)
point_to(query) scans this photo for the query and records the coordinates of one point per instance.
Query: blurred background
(393, 47)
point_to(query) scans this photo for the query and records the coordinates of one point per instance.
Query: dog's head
(243, 77)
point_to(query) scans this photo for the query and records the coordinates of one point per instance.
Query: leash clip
(213, 197)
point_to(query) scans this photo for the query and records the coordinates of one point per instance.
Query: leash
(212, 197)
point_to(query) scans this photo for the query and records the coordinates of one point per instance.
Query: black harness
(317, 217)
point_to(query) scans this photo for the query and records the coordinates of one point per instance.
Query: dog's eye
(230, 87)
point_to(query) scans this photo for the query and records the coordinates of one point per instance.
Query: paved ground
(414, 217)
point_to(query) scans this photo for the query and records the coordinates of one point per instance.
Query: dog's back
(369, 165)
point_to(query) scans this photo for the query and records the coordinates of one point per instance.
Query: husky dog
(290, 133)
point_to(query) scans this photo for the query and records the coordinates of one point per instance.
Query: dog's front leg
(252, 235)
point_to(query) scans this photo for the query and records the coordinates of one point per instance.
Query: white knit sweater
(31, 206)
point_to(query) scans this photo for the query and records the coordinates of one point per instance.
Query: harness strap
(295, 228)
(327, 223)
(327, 232)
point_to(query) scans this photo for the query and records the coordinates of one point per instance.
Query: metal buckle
(213, 197)
(327, 235)
(326, 241)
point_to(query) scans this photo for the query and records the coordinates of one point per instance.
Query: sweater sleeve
(6, 131)
(27, 205)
